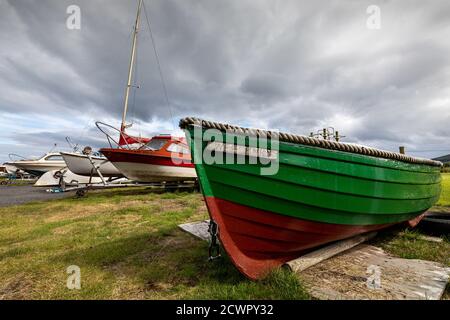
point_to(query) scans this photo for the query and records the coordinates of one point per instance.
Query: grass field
(445, 195)
(128, 246)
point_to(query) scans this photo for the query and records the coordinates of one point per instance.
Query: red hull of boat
(258, 241)
(144, 157)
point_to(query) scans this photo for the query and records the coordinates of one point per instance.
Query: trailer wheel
(80, 193)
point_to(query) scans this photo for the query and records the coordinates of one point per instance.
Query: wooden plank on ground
(367, 272)
(432, 239)
(308, 260)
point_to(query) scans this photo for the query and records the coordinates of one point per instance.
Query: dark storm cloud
(59, 138)
(292, 65)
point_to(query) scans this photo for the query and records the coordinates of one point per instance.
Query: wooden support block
(197, 229)
(432, 239)
(315, 257)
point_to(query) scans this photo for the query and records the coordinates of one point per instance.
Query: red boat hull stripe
(120, 155)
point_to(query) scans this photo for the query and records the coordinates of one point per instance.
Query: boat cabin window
(98, 155)
(178, 148)
(155, 144)
(54, 158)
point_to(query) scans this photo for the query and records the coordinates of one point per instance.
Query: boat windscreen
(178, 148)
(54, 158)
(98, 154)
(155, 144)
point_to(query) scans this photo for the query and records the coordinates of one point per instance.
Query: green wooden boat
(322, 191)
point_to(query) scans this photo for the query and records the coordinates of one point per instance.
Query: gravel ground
(14, 195)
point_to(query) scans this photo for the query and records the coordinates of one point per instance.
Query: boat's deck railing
(111, 140)
(13, 156)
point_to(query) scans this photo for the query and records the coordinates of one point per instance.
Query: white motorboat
(64, 178)
(37, 167)
(10, 168)
(11, 172)
(3, 171)
(80, 164)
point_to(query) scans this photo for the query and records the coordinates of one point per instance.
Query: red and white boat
(163, 159)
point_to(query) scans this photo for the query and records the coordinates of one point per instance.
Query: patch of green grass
(445, 195)
(128, 246)
(279, 285)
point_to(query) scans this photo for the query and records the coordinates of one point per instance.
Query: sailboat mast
(130, 70)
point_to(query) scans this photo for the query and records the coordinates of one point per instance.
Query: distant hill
(443, 159)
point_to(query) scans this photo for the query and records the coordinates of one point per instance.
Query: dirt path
(14, 195)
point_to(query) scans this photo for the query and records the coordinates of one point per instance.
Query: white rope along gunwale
(314, 142)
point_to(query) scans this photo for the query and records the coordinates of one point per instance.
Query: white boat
(63, 178)
(10, 168)
(3, 171)
(10, 171)
(37, 167)
(80, 164)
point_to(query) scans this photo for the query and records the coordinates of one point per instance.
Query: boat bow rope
(304, 140)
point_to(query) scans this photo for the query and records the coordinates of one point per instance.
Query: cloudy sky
(292, 65)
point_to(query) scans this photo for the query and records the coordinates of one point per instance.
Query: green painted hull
(323, 185)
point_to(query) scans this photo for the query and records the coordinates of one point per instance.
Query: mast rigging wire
(163, 83)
